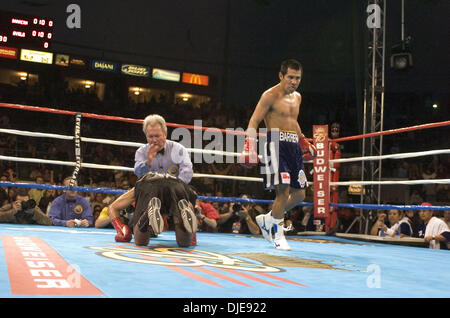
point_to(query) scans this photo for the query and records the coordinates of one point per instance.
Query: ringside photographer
(240, 218)
(23, 210)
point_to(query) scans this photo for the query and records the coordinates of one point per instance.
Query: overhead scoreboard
(25, 31)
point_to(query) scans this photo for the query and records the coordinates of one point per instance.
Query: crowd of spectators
(230, 218)
(237, 218)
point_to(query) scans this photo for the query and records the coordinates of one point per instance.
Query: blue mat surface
(40, 261)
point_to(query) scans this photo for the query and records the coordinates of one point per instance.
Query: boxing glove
(308, 149)
(123, 231)
(249, 156)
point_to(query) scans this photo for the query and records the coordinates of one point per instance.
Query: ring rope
(111, 142)
(225, 199)
(203, 175)
(77, 138)
(140, 121)
(65, 163)
(219, 152)
(395, 156)
(34, 134)
(117, 118)
(219, 176)
(105, 117)
(122, 168)
(394, 131)
(407, 182)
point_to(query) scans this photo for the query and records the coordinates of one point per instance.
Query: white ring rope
(34, 134)
(109, 167)
(218, 176)
(408, 182)
(110, 142)
(202, 175)
(218, 152)
(395, 156)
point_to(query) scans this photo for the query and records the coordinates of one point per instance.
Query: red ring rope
(107, 117)
(140, 121)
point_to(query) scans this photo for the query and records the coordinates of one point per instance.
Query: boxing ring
(51, 261)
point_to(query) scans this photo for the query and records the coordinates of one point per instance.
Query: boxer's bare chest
(283, 113)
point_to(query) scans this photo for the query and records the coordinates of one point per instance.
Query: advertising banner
(321, 172)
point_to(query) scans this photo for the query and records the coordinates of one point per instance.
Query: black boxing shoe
(187, 216)
(145, 227)
(155, 219)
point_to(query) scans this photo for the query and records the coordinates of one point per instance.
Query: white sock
(269, 215)
(277, 221)
(274, 221)
(278, 227)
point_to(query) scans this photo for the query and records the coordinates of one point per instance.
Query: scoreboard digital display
(27, 31)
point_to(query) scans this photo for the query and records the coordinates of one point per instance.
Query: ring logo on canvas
(170, 256)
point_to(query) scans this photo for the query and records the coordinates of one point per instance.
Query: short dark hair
(70, 180)
(292, 64)
(20, 192)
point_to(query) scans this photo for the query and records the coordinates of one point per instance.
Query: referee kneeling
(154, 194)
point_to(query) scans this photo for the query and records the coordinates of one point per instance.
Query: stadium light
(88, 84)
(401, 57)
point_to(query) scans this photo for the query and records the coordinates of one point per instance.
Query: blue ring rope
(226, 199)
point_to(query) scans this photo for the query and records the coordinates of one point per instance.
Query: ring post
(321, 170)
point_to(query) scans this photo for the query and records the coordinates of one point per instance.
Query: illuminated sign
(62, 60)
(36, 56)
(166, 75)
(135, 70)
(103, 66)
(196, 79)
(77, 61)
(24, 30)
(8, 52)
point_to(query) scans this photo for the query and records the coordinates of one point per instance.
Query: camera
(28, 205)
(26, 209)
(236, 208)
(197, 212)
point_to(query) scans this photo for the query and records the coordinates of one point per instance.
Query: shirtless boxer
(156, 194)
(283, 170)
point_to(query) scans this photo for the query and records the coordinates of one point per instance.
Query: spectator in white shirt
(400, 224)
(436, 231)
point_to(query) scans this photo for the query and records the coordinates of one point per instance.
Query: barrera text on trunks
(288, 136)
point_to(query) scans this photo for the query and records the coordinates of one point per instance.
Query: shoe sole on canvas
(281, 245)
(187, 216)
(154, 216)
